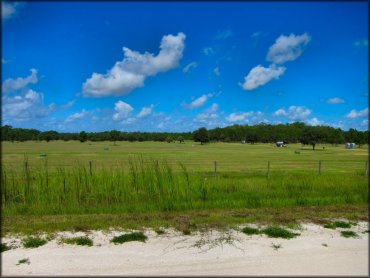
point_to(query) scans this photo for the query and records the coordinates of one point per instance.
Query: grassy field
(149, 180)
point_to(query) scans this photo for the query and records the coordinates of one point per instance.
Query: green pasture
(157, 177)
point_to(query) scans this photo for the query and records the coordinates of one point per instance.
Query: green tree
(311, 135)
(201, 135)
(180, 139)
(114, 136)
(169, 139)
(82, 136)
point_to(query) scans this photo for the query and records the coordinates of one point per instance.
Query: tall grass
(153, 185)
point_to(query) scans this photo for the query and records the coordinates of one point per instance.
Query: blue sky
(162, 66)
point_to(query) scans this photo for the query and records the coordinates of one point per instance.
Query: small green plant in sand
(82, 240)
(135, 236)
(160, 231)
(4, 247)
(250, 231)
(24, 261)
(275, 231)
(33, 242)
(337, 224)
(348, 234)
(324, 244)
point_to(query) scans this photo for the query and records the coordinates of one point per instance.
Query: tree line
(262, 133)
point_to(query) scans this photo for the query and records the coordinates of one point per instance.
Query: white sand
(212, 253)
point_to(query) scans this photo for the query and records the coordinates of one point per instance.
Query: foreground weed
(24, 261)
(337, 224)
(276, 246)
(274, 231)
(4, 247)
(250, 231)
(324, 244)
(83, 240)
(160, 231)
(348, 234)
(33, 242)
(136, 236)
(186, 231)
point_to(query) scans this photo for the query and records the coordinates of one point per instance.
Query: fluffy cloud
(294, 112)
(11, 85)
(287, 48)
(314, 122)
(25, 107)
(260, 75)
(122, 110)
(335, 100)
(208, 116)
(76, 116)
(131, 72)
(190, 66)
(145, 111)
(246, 117)
(358, 114)
(197, 102)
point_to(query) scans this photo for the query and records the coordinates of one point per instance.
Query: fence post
(366, 168)
(268, 169)
(319, 167)
(90, 168)
(215, 168)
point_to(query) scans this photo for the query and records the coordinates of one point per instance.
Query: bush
(136, 236)
(250, 231)
(83, 240)
(33, 242)
(278, 232)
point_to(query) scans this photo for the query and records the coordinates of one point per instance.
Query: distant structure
(280, 144)
(350, 145)
(243, 142)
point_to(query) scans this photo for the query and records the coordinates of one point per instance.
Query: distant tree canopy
(82, 136)
(262, 133)
(201, 135)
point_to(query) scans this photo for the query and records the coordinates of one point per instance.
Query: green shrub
(250, 231)
(4, 247)
(274, 231)
(33, 242)
(337, 224)
(348, 234)
(83, 240)
(136, 236)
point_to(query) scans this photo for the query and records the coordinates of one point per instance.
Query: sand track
(211, 253)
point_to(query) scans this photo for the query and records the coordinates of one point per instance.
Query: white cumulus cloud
(145, 111)
(314, 122)
(197, 102)
(216, 71)
(25, 107)
(131, 72)
(358, 113)
(295, 113)
(11, 85)
(122, 110)
(260, 75)
(76, 116)
(335, 100)
(287, 48)
(208, 116)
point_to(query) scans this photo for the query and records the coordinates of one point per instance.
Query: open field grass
(149, 177)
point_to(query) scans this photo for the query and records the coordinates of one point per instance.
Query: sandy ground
(317, 251)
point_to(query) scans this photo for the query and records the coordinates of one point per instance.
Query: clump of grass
(250, 231)
(4, 247)
(160, 231)
(83, 240)
(348, 234)
(337, 224)
(135, 236)
(33, 242)
(275, 231)
(24, 261)
(186, 231)
(324, 244)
